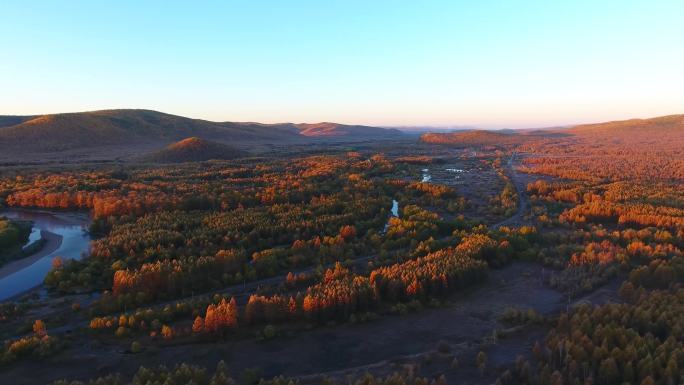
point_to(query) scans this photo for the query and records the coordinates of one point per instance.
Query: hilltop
(194, 149)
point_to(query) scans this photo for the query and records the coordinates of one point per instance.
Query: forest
(260, 253)
(13, 235)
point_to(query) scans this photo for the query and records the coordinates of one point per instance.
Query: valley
(341, 193)
(452, 261)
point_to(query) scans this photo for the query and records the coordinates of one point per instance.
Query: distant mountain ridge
(328, 129)
(10, 120)
(66, 131)
(635, 131)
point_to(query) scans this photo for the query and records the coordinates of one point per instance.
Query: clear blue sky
(483, 63)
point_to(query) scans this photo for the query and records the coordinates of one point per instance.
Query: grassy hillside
(662, 124)
(70, 131)
(110, 127)
(662, 133)
(194, 149)
(666, 132)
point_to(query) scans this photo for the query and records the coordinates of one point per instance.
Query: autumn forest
(476, 257)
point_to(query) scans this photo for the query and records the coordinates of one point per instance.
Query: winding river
(425, 178)
(66, 237)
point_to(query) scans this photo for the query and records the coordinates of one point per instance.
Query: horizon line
(401, 127)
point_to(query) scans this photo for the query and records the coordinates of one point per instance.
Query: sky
(485, 63)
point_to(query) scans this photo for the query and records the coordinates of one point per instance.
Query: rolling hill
(78, 131)
(662, 124)
(115, 127)
(645, 149)
(666, 131)
(194, 149)
(327, 129)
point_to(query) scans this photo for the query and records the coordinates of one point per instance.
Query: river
(395, 213)
(426, 177)
(66, 238)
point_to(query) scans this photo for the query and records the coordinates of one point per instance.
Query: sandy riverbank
(52, 242)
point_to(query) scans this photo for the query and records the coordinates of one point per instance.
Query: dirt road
(517, 218)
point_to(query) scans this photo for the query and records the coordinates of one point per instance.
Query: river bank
(66, 236)
(52, 243)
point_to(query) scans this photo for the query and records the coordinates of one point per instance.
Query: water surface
(395, 213)
(33, 237)
(75, 245)
(395, 208)
(426, 177)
